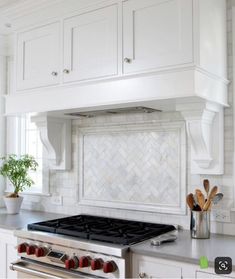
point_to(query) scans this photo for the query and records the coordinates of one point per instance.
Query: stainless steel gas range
(81, 246)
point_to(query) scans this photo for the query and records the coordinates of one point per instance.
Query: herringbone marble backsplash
(134, 165)
(138, 166)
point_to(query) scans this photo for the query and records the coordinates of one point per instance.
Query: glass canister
(200, 224)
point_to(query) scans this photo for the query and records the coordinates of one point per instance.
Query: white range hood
(184, 72)
(200, 99)
(161, 91)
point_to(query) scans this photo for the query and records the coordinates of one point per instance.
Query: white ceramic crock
(13, 204)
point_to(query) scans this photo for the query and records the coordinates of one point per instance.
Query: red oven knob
(30, 249)
(22, 247)
(84, 262)
(96, 264)
(40, 252)
(109, 267)
(71, 263)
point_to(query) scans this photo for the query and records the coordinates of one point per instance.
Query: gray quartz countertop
(25, 217)
(190, 250)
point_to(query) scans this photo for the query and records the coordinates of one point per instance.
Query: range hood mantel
(200, 98)
(160, 91)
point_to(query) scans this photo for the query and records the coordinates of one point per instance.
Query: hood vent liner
(89, 114)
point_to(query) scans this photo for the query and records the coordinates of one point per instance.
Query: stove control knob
(109, 267)
(71, 263)
(30, 249)
(96, 264)
(21, 248)
(40, 252)
(84, 262)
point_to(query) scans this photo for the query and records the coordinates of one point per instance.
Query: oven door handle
(40, 274)
(41, 271)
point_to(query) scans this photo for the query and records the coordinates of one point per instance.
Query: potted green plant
(16, 169)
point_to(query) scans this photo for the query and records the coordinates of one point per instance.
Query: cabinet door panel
(90, 45)
(8, 253)
(3, 262)
(11, 257)
(157, 33)
(152, 268)
(38, 57)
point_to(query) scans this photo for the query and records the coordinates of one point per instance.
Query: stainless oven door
(29, 269)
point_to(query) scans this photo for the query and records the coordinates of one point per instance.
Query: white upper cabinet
(90, 45)
(38, 57)
(156, 34)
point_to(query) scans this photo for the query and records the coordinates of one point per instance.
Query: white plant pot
(13, 204)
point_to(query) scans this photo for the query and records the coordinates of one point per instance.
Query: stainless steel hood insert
(89, 114)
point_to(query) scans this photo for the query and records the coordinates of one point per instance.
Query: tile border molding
(179, 127)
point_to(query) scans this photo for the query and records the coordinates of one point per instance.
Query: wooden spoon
(200, 198)
(198, 191)
(190, 201)
(206, 185)
(213, 192)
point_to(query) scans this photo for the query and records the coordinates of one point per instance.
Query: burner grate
(103, 229)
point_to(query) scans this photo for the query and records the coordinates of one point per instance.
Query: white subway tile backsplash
(228, 146)
(227, 181)
(228, 122)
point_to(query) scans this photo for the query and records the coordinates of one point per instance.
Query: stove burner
(103, 229)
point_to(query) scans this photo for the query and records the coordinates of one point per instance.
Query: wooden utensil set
(200, 202)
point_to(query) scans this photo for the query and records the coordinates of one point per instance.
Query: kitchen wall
(66, 184)
(3, 73)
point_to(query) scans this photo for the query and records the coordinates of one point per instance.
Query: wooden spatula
(213, 192)
(200, 198)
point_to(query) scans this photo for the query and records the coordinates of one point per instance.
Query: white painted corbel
(55, 134)
(205, 128)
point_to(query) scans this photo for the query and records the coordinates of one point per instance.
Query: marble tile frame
(178, 126)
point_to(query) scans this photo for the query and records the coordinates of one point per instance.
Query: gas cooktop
(110, 230)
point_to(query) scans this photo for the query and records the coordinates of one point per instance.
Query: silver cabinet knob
(54, 74)
(127, 60)
(142, 275)
(66, 71)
